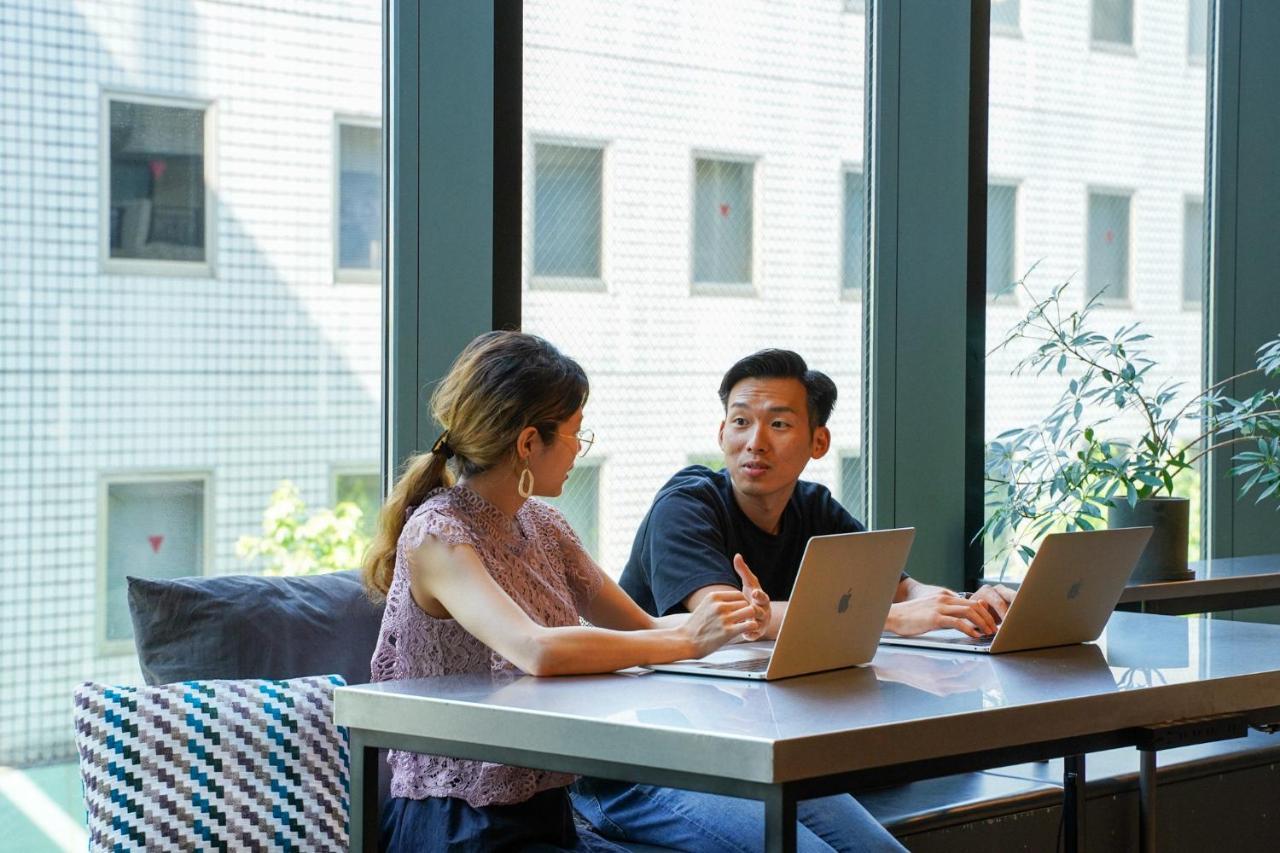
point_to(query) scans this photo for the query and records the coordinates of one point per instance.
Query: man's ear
(720, 436)
(821, 442)
(524, 442)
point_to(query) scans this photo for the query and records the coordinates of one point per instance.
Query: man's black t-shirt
(694, 527)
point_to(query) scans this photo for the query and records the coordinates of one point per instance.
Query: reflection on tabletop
(1009, 679)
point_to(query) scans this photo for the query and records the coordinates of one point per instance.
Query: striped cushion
(213, 765)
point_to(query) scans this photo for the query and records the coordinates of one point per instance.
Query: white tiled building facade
(693, 160)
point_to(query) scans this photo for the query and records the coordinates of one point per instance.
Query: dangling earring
(525, 486)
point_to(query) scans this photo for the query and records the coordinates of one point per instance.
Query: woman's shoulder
(443, 514)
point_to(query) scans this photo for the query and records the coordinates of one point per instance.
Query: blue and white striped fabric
(214, 765)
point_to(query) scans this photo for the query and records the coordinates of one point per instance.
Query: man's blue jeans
(690, 820)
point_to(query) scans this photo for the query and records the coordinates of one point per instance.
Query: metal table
(1152, 681)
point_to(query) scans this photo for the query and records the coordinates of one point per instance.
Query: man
(745, 528)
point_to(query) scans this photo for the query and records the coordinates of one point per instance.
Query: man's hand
(941, 609)
(997, 597)
(755, 596)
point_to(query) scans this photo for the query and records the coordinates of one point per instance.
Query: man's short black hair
(784, 364)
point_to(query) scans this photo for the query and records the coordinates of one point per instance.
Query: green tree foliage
(298, 541)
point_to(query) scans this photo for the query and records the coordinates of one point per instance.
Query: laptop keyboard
(984, 640)
(747, 665)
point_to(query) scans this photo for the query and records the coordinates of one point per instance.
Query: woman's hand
(720, 616)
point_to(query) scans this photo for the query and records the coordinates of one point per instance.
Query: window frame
(102, 645)
(853, 294)
(107, 265)
(579, 284)
(749, 288)
(341, 274)
(1129, 193)
(352, 468)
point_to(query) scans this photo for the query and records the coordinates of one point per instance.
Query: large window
(158, 201)
(724, 133)
(180, 181)
(1109, 153)
(568, 215)
(359, 191)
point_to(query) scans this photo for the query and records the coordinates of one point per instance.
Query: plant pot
(1165, 557)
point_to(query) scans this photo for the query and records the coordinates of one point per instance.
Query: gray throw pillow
(243, 626)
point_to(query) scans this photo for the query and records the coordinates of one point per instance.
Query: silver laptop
(838, 605)
(1070, 590)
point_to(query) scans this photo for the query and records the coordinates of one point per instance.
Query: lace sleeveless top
(541, 564)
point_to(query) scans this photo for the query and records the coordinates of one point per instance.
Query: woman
(477, 578)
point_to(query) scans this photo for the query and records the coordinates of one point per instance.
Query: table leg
(780, 820)
(363, 820)
(1147, 800)
(1073, 803)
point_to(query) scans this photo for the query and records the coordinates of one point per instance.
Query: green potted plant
(298, 541)
(1078, 468)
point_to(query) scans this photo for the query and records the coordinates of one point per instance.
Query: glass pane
(157, 182)
(1107, 151)
(175, 139)
(568, 205)
(1113, 20)
(1108, 248)
(359, 197)
(1001, 216)
(154, 530)
(729, 127)
(854, 258)
(722, 222)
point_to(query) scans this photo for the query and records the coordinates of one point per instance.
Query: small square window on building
(1112, 22)
(1107, 247)
(1193, 271)
(154, 528)
(579, 503)
(722, 221)
(1005, 16)
(1197, 30)
(1001, 236)
(568, 213)
(359, 203)
(854, 256)
(157, 194)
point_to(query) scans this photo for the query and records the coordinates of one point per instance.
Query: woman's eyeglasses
(584, 437)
